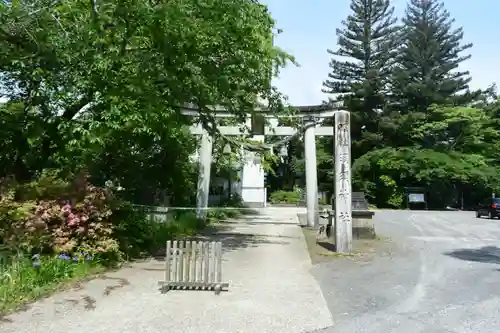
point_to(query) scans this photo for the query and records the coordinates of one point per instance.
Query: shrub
(51, 216)
(235, 201)
(324, 201)
(53, 226)
(288, 197)
(133, 230)
(218, 214)
(186, 223)
(138, 234)
(66, 217)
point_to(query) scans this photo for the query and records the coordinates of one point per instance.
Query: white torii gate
(342, 158)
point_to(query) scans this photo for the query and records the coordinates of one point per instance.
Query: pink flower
(73, 220)
(66, 209)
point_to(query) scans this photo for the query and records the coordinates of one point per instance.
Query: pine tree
(359, 81)
(427, 62)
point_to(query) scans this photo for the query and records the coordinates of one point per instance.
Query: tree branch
(71, 111)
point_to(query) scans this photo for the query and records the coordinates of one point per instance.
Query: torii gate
(342, 161)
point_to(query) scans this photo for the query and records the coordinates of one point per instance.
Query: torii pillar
(253, 191)
(311, 174)
(204, 166)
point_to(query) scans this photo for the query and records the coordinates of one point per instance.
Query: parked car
(489, 207)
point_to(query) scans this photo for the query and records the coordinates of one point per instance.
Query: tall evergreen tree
(359, 80)
(430, 53)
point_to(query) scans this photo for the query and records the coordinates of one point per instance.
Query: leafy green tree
(100, 82)
(427, 62)
(453, 155)
(431, 131)
(383, 173)
(461, 129)
(366, 45)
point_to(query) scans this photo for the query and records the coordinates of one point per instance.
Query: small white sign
(416, 197)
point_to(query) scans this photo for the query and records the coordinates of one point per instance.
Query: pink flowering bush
(70, 217)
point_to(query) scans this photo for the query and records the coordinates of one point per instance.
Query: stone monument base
(362, 224)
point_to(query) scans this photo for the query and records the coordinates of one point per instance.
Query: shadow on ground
(248, 211)
(236, 239)
(249, 217)
(327, 246)
(232, 240)
(486, 254)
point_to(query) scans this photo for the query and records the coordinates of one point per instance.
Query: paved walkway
(271, 290)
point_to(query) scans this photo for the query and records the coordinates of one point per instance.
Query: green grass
(220, 214)
(23, 280)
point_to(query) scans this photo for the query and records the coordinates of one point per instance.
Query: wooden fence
(191, 265)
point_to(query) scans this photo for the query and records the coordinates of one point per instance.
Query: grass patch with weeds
(23, 280)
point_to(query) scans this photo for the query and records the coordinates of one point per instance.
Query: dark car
(489, 207)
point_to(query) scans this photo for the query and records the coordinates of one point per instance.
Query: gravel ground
(271, 290)
(444, 277)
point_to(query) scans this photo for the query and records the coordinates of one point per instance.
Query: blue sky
(309, 29)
